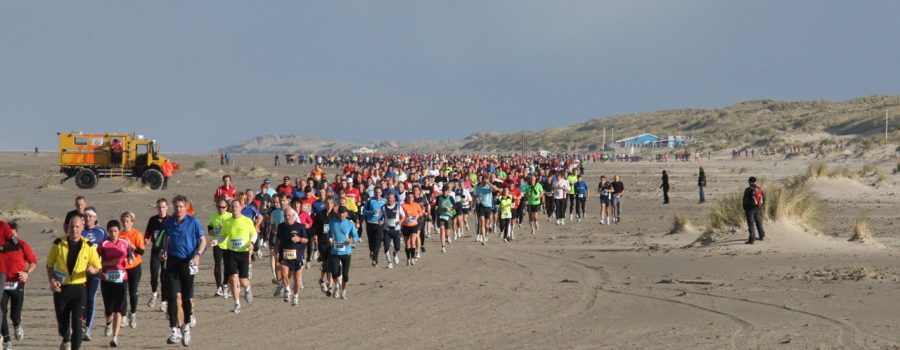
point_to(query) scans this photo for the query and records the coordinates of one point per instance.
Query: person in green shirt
(572, 179)
(239, 233)
(505, 202)
(214, 229)
(534, 198)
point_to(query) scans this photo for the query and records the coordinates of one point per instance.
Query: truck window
(81, 141)
(142, 149)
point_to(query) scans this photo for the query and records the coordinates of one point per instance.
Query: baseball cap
(287, 178)
(267, 181)
(342, 209)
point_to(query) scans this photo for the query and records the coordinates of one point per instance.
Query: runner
(445, 215)
(218, 242)
(322, 228)
(464, 206)
(409, 217)
(392, 214)
(505, 203)
(96, 235)
(534, 198)
(560, 190)
(341, 235)
(154, 237)
(20, 263)
(419, 198)
(618, 190)
(292, 237)
(226, 191)
(606, 191)
(581, 197)
(276, 217)
(571, 179)
(549, 183)
(133, 267)
(184, 243)
(375, 224)
(70, 260)
(80, 206)
(485, 207)
(239, 233)
(115, 253)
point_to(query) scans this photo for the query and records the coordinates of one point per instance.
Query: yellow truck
(89, 157)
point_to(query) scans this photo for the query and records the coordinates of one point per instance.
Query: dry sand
(581, 286)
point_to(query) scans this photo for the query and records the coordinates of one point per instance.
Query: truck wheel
(153, 178)
(86, 179)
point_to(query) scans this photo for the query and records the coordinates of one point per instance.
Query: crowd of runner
(301, 224)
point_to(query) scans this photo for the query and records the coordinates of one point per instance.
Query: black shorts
(292, 265)
(443, 223)
(464, 211)
(483, 211)
(409, 231)
(237, 263)
(604, 200)
(534, 208)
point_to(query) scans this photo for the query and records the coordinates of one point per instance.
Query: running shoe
(328, 292)
(344, 294)
(87, 336)
(390, 265)
(396, 258)
(443, 249)
(324, 286)
(164, 306)
(374, 263)
(114, 342)
(419, 254)
(174, 337)
(132, 320)
(227, 293)
(125, 321)
(152, 300)
(248, 295)
(296, 300)
(286, 295)
(220, 291)
(186, 335)
(414, 261)
(65, 345)
(20, 333)
(107, 331)
(237, 308)
(193, 321)
(274, 280)
(278, 290)
(337, 291)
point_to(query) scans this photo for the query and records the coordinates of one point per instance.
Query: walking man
(754, 198)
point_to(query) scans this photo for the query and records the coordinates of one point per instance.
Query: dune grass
(781, 203)
(200, 164)
(818, 170)
(681, 221)
(861, 231)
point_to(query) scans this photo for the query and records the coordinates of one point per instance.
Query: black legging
(179, 280)
(519, 213)
(504, 227)
(571, 197)
(340, 266)
(218, 273)
(375, 233)
(550, 206)
(113, 297)
(11, 303)
(69, 307)
(391, 237)
(560, 208)
(134, 280)
(157, 270)
(579, 206)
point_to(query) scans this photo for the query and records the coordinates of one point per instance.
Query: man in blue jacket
(342, 233)
(374, 221)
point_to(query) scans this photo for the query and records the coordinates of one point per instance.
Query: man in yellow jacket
(70, 260)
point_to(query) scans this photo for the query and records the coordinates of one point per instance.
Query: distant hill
(750, 123)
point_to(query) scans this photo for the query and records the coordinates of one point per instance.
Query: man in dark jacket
(754, 198)
(701, 183)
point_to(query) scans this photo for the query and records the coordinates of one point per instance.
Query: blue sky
(197, 75)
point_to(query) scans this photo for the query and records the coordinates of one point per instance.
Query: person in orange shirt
(136, 239)
(167, 169)
(410, 214)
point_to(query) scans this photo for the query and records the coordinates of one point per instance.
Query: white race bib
(445, 217)
(237, 243)
(115, 276)
(327, 229)
(290, 254)
(506, 215)
(11, 285)
(410, 220)
(581, 195)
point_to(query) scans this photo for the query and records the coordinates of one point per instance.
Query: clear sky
(198, 75)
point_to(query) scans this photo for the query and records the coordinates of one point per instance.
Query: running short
(443, 223)
(604, 200)
(534, 208)
(465, 211)
(237, 263)
(483, 211)
(292, 265)
(409, 231)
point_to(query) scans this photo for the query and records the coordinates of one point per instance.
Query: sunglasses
(223, 207)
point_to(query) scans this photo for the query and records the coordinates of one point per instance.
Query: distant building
(363, 150)
(650, 140)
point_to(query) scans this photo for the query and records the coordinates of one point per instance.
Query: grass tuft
(680, 222)
(861, 231)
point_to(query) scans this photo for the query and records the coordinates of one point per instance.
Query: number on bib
(11, 285)
(115, 276)
(290, 254)
(237, 244)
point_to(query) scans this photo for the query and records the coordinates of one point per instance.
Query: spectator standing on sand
(754, 198)
(665, 186)
(618, 190)
(701, 183)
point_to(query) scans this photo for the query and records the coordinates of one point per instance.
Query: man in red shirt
(285, 187)
(226, 191)
(20, 263)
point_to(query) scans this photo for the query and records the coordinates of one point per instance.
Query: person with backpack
(701, 183)
(754, 198)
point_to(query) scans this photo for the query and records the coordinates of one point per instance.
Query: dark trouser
(579, 206)
(90, 305)
(218, 273)
(325, 255)
(179, 280)
(340, 266)
(519, 213)
(134, 280)
(560, 208)
(504, 227)
(11, 302)
(755, 218)
(665, 195)
(550, 203)
(375, 234)
(113, 297)
(165, 183)
(702, 195)
(157, 270)
(391, 237)
(422, 234)
(69, 307)
(571, 197)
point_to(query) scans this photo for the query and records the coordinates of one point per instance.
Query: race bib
(340, 246)
(445, 217)
(115, 276)
(411, 220)
(506, 215)
(11, 285)
(237, 243)
(61, 276)
(326, 229)
(581, 195)
(392, 223)
(290, 254)
(217, 233)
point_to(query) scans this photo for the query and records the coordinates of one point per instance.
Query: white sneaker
(571, 217)
(20, 333)
(107, 331)
(344, 294)
(390, 265)
(286, 295)
(186, 335)
(296, 300)
(227, 294)
(237, 308)
(193, 321)
(337, 290)
(220, 291)
(175, 336)
(396, 258)
(164, 306)
(248, 295)
(414, 261)
(132, 320)
(125, 321)
(112, 343)
(478, 238)
(418, 255)
(443, 249)
(278, 290)
(324, 286)
(152, 300)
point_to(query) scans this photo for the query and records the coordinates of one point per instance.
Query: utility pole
(604, 138)
(612, 136)
(885, 127)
